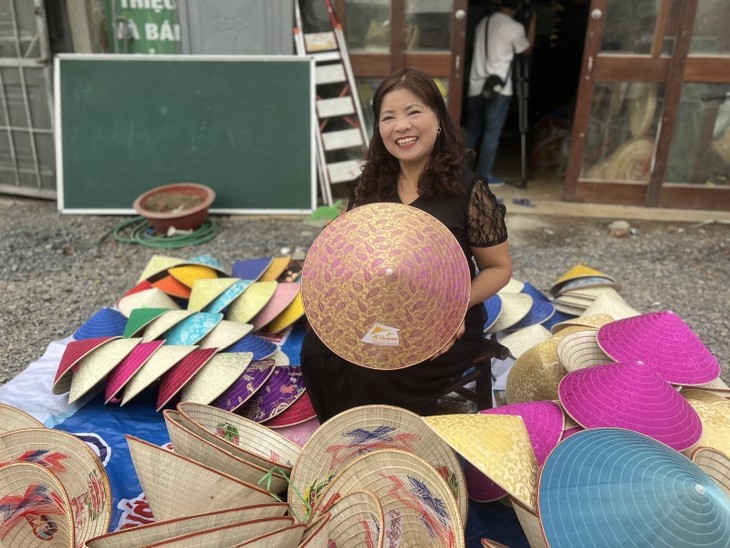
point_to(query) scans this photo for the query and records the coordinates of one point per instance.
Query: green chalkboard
(240, 125)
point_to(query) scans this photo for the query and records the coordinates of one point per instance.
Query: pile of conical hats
(192, 331)
(594, 407)
(54, 490)
(366, 475)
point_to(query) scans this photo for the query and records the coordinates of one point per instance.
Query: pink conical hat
(123, 372)
(665, 342)
(544, 421)
(633, 396)
(298, 412)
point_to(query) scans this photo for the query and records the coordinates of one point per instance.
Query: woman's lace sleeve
(486, 226)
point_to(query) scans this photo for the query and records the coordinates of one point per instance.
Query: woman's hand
(448, 345)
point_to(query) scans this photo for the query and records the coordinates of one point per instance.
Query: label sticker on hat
(382, 335)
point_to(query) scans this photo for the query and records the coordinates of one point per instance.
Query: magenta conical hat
(633, 396)
(544, 421)
(122, 373)
(298, 412)
(664, 341)
(385, 285)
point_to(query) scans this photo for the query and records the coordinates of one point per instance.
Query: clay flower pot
(181, 205)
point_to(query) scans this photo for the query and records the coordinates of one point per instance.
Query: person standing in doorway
(505, 37)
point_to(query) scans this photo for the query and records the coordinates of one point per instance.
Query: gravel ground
(55, 273)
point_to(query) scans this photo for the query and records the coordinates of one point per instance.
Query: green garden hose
(139, 231)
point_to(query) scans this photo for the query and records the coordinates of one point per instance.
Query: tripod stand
(522, 91)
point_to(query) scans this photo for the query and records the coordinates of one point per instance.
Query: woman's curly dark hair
(442, 175)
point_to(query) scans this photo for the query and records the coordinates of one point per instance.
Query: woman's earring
(438, 131)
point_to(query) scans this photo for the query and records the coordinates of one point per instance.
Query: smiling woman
(416, 157)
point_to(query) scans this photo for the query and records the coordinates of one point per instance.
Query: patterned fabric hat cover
(665, 342)
(630, 395)
(193, 328)
(298, 412)
(714, 411)
(163, 323)
(385, 285)
(544, 421)
(615, 487)
(243, 389)
(221, 302)
(281, 389)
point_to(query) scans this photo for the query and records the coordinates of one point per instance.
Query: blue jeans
(485, 120)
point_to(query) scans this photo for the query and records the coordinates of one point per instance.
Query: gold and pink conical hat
(385, 286)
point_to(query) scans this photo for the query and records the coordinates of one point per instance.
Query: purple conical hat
(665, 342)
(122, 373)
(105, 322)
(282, 389)
(385, 285)
(544, 421)
(173, 381)
(253, 378)
(633, 396)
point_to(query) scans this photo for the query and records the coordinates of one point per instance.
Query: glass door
(648, 123)
(387, 35)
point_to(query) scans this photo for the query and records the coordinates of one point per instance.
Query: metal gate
(27, 156)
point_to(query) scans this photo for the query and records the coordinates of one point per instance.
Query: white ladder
(341, 136)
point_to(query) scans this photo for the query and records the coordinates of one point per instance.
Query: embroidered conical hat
(497, 445)
(147, 298)
(714, 411)
(222, 301)
(225, 334)
(715, 463)
(93, 368)
(205, 291)
(176, 486)
(75, 465)
(36, 510)
(164, 359)
(180, 374)
(385, 285)
(122, 373)
(188, 274)
(188, 443)
(665, 342)
(172, 287)
(193, 328)
(281, 389)
(580, 349)
(105, 322)
(630, 395)
(362, 429)
(140, 318)
(419, 507)
(72, 354)
(239, 436)
(356, 520)
(515, 306)
(251, 301)
(276, 268)
(283, 296)
(615, 487)
(143, 535)
(12, 418)
(220, 372)
(288, 316)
